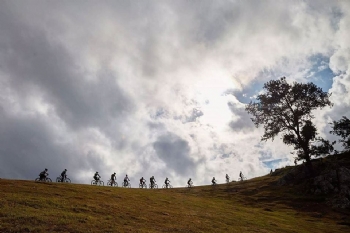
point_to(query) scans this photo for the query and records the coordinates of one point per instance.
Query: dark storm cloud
(28, 146)
(243, 121)
(33, 63)
(175, 152)
(36, 64)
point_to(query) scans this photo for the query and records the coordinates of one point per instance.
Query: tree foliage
(286, 109)
(342, 128)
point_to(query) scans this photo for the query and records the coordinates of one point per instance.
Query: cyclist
(126, 180)
(97, 176)
(227, 178)
(142, 181)
(189, 182)
(241, 175)
(113, 178)
(153, 181)
(43, 174)
(63, 175)
(213, 181)
(166, 182)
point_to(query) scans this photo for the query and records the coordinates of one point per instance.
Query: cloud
(155, 88)
(242, 118)
(175, 152)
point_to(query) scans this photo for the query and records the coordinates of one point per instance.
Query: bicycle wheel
(129, 185)
(48, 180)
(155, 186)
(164, 186)
(58, 179)
(112, 184)
(67, 180)
(100, 183)
(93, 182)
(37, 180)
(144, 186)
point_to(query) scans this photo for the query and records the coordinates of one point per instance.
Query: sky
(159, 87)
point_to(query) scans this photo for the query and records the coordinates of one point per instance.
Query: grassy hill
(256, 205)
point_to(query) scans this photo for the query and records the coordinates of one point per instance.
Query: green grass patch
(256, 205)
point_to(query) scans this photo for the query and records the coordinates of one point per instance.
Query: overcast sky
(158, 87)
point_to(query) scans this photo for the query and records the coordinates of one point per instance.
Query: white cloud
(109, 80)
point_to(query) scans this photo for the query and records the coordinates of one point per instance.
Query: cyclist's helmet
(96, 172)
(65, 169)
(114, 173)
(45, 169)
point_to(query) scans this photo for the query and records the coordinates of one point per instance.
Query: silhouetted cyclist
(63, 175)
(113, 178)
(241, 175)
(189, 182)
(227, 178)
(213, 181)
(43, 174)
(97, 176)
(166, 182)
(142, 181)
(126, 180)
(153, 181)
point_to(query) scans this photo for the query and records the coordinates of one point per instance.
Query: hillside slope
(256, 205)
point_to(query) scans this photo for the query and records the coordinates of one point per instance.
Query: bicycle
(112, 183)
(169, 186)
(126, 185)
(65, 180)
(227, 180)
(243, 178)
(155, 186)
(190, 185)
(213, 184)
(97, 182)
(47, 179)
(143, 185)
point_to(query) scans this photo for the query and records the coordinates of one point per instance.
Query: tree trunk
(309, 164)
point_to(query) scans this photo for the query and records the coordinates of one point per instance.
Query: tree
(286, 109)
(342, 129)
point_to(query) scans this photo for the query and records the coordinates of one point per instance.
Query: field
(256, 205)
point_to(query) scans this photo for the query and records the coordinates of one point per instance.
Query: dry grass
(250, 206)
